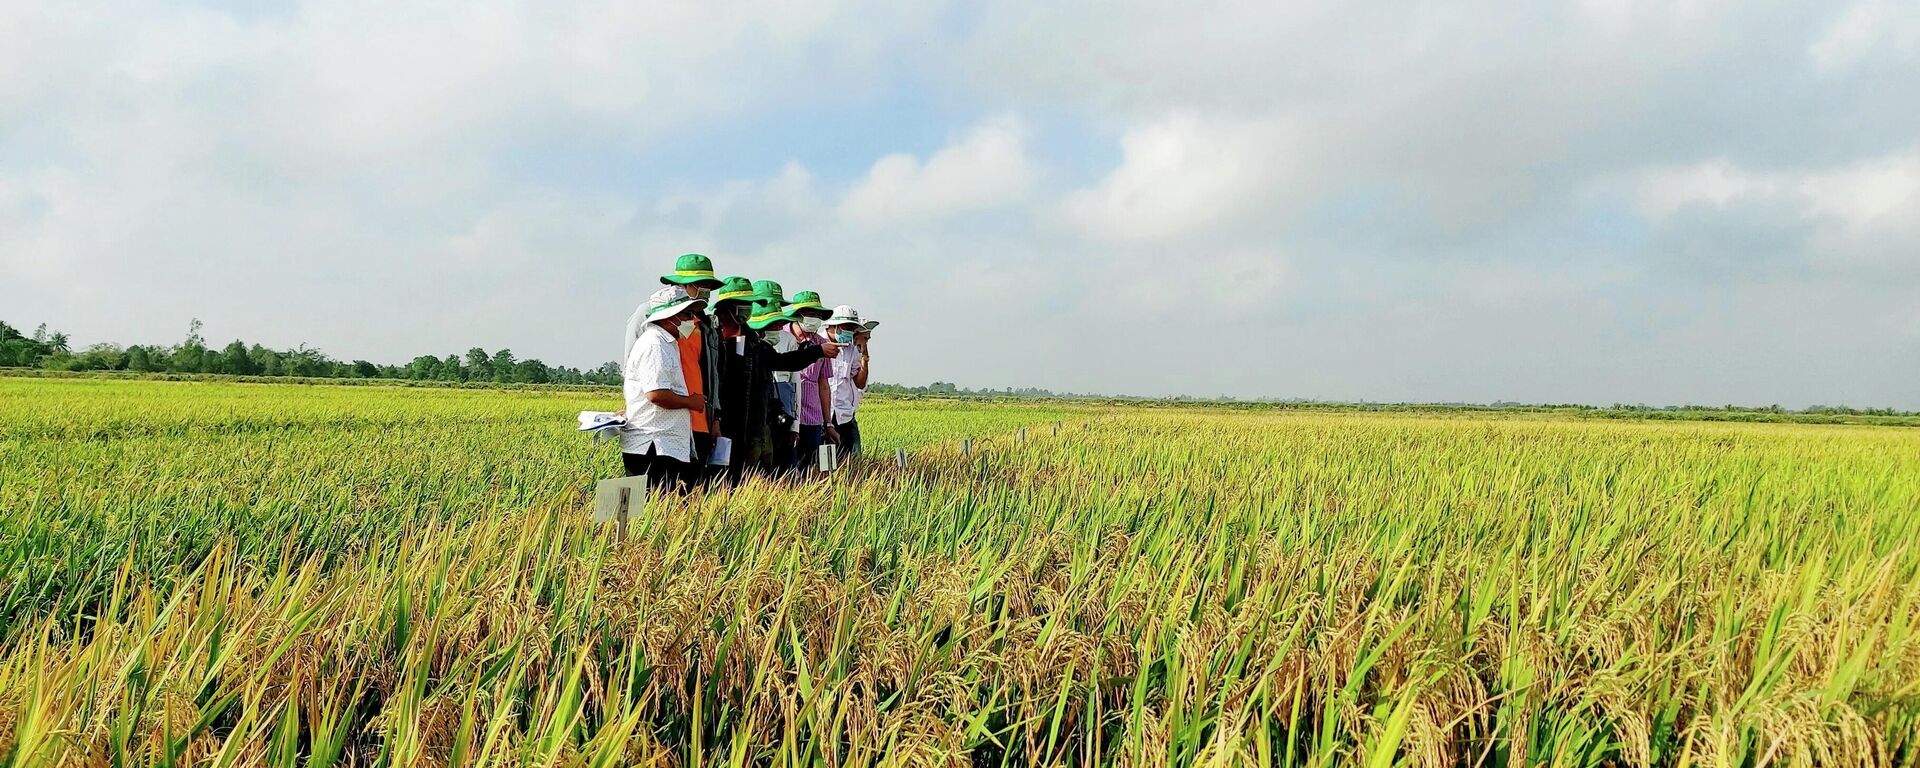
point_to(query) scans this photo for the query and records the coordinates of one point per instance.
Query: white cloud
(1373, 201)
(1181, 174)
(1866, 214)
(1868, 29)
(987, 168)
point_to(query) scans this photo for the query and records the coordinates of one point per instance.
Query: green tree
(503, 365)
(190, 356)
(479, 368)
(532, 371)
(236, 359)
(139, 359)
(264, 360)
(424, 367)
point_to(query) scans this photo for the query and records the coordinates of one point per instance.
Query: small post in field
(966, 446)
(1056, 429)
(1023, 434)
(900, 458)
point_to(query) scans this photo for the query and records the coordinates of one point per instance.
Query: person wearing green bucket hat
(758, 426)
(769, 291)
(729, 306)
(736, 292)
(695, 273)
(810, 385)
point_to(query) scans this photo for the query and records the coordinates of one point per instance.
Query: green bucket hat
(768, 290)
(808, 301)
(766, 314)
(692, 269)
(732, 289)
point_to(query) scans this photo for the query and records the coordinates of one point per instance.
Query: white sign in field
(614, 500)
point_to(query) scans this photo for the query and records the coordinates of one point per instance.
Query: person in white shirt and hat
(847, 377)
(657, 440)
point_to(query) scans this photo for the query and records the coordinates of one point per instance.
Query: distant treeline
(193, 359)
(51, 351)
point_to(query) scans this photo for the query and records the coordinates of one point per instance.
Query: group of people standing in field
(727, 377)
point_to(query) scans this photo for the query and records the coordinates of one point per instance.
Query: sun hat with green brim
(844, 315)
(766, 314)
(692, 269)
(868, 326)
(808, 302)
(768, 290)
(670, 301)
(732, 289)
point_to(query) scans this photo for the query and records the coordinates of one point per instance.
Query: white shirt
(846, 396)
(654, 363)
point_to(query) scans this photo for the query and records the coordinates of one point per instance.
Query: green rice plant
(253, 574)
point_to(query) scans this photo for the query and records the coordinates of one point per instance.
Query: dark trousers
(702, 450)
(849, 437)
(779, 456)
(806, 453)
(662, 471)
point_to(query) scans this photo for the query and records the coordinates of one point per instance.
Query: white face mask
(685, 327)
(811, 324)
(772, 336)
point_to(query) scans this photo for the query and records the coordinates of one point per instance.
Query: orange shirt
(690, 350)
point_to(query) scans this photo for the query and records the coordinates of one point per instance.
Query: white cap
(669, 301)
(844, 315)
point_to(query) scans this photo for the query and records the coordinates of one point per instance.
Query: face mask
(686, 328)
(843, 337)
(811, 324)
(772, 336)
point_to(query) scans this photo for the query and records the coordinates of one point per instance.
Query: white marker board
(607, 497)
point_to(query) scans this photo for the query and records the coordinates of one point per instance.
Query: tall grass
(382, 580)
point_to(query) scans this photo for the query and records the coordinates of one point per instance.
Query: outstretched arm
(802, 357)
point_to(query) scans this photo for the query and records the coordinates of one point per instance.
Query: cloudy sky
(1662, 201)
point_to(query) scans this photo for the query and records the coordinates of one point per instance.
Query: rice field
(253, 574)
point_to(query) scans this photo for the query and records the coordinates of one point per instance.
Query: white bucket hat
(844, 315)
(669, 301)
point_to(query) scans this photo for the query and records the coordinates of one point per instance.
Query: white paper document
(603, 425)
(722, 452)
(594, 421)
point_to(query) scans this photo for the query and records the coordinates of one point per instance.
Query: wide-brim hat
(766, 314)
(692, 269)
(808, 302)
(732, 289)
(768, 290)
(869, 325)
(669, 301)
(844, 315)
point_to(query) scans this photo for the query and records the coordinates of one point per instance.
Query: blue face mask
(843, 337)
